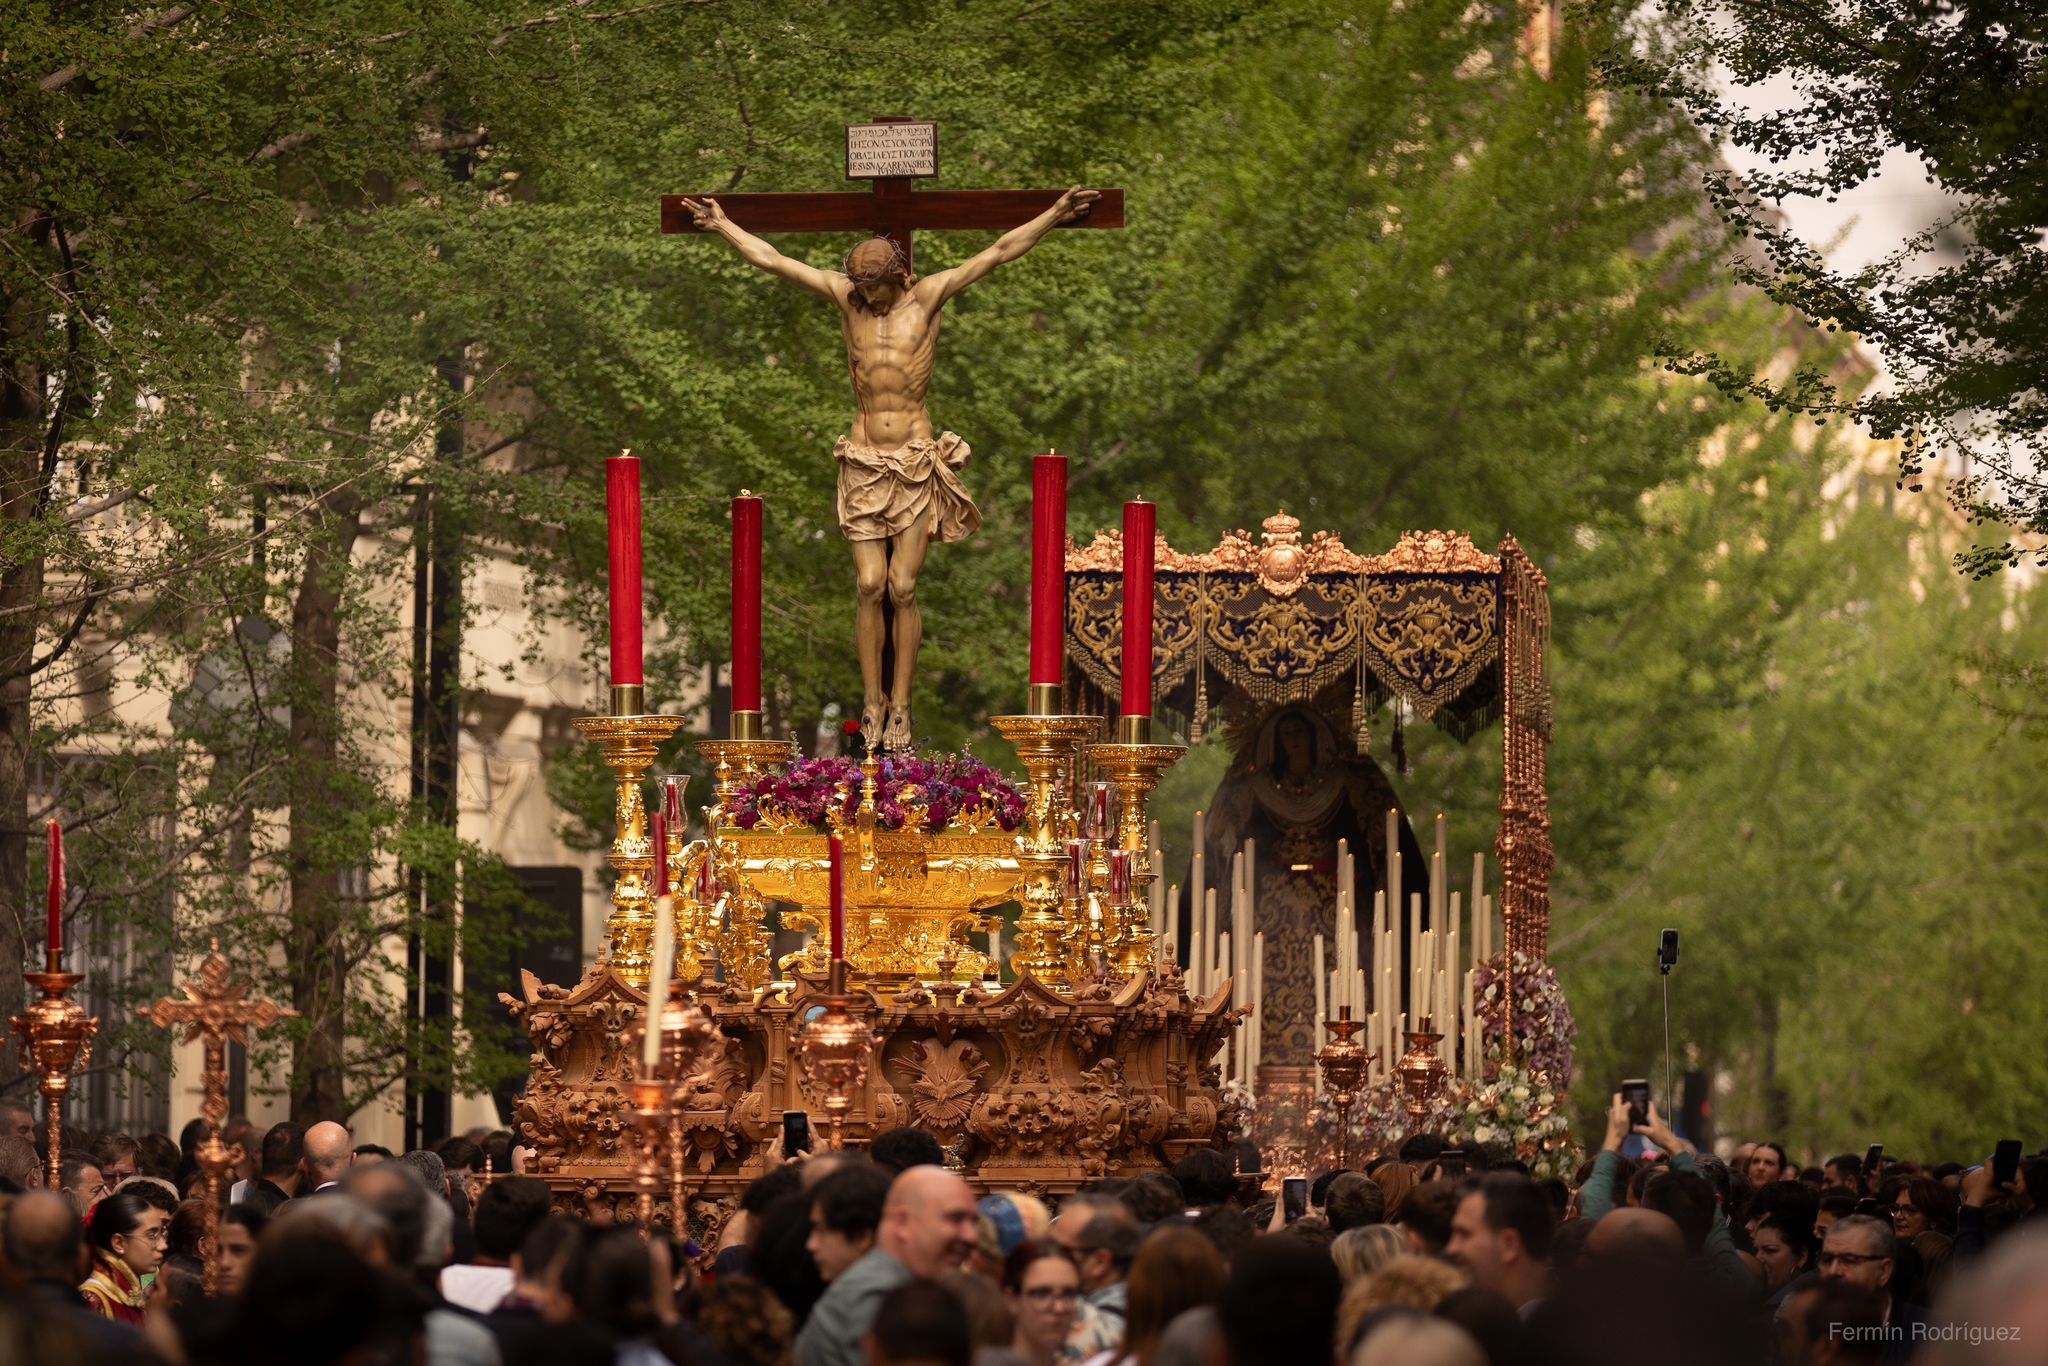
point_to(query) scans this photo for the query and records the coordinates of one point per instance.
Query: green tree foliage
(1961, 87)
(1774, 737)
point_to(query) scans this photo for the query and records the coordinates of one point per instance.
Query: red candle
(1099, 818)
(746, 602)
(708, 889)
(1140, 523)
(622, 521)
(672, 804)
(1048, 568)
(838, 898)
(1121, 871)
(56, 897)
(1077, 869)
(660, 855)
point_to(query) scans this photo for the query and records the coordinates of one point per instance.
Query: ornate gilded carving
(1280, 562)
(942, 1079)
(1027, 1085)
(1432, 552)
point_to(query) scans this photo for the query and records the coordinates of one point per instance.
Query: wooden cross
(215, 1012)
(891, 209)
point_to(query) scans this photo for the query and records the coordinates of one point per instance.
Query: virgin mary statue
(1296, 790)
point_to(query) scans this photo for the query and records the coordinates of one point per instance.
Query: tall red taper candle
(622, 524)
(1048, 568)
(660, 854)
(1141, 521)
(56, 896)
(746, 602)
(838, 879)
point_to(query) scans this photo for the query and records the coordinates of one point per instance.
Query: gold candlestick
(1045, 745)
(630, 745)
(1422, 1071)
(1343, 1061)
(215, 1011)
(1135, 766)
(736, 763)
(833, 1051)
(55, 1038)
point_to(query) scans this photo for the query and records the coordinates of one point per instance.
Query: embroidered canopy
(1454, 633)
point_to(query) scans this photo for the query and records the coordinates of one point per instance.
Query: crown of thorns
(898, 263)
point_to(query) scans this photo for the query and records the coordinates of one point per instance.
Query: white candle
(1393, 887)
(1479, 949)
(1454, 1008)
(1446, 1019)
(1413, 964)
(1258, 1039)
(1155, 891)
(657, 980)
(1198, 880)
(1472, 1042)
(1173, 920)
(1322, 997)
(1219, 943)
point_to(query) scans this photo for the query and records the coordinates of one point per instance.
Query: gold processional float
(1093, 1060)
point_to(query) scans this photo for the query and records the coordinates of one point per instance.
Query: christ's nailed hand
(705, 213)
(1075, 203)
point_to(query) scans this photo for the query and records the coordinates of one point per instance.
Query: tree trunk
(23, 437)
(319, 964)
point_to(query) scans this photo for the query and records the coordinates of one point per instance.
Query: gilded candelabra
(833, 1051)
(55, 1038)
(1045, 745)
(1343, 1062)
(215, 1011)
(1422, 1071)
(630, 745)
(736, 762)
(1135, 765)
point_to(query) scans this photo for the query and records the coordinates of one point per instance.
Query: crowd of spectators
(344, 1253)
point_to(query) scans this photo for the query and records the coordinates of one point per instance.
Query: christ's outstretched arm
(757, 253)
(1012, 244)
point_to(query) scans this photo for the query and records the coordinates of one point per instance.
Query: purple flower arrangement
(1544, 1027)
(944, 784)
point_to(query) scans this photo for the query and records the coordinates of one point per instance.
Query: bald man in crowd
(930, 1224)
(329, 1150)
(45, 1247)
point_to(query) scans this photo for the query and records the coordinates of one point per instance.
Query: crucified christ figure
(899, 486)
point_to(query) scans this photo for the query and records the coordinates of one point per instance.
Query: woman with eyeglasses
(127, 1235)
(1044, 1290)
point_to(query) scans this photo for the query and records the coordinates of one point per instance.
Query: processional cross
(899, 487)
(215, 1012)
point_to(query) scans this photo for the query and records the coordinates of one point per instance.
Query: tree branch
(156, 23)
(70, 636)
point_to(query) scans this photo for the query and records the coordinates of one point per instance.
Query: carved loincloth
(884, 493)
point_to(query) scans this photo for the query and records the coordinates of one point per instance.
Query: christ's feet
(896, 735)
(871, 724)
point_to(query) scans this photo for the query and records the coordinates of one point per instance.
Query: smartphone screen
(1294, 1197)
(1452, 1162)
(2005, 1161)
(796, 1132)
(1872, 1160)
(1635, 1092)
